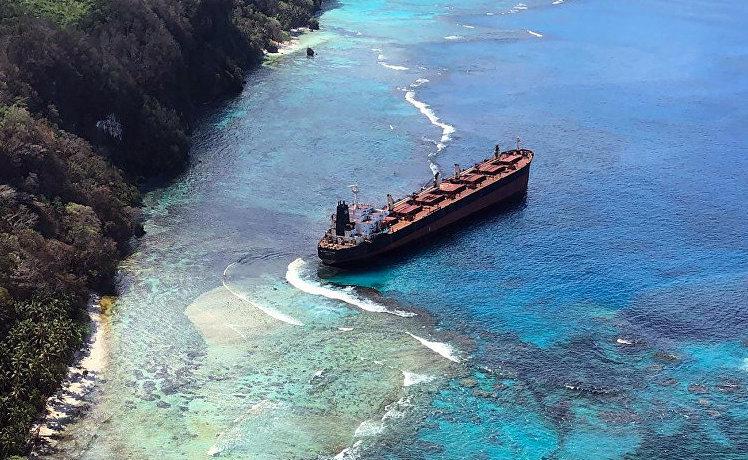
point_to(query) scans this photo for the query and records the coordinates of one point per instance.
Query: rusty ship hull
(408, 231)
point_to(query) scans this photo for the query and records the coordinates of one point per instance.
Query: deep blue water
(634, 228)
(604, 316)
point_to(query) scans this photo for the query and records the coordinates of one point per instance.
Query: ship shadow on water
(492, 215)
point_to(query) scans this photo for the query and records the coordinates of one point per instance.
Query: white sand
(68, 402)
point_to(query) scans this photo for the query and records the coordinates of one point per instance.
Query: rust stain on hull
(413, 219)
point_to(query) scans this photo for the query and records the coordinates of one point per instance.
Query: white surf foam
(558, 2)
(345, 329)
(453, 37)
(268, 311)
(233, 435)
(411, 378)
(369, 428)
(425, 109)
(381, 59)
(468, 26)
(440, 348)
(293, 276)
(349, 453)
(396, 409)
(534, 33)
(392, 66)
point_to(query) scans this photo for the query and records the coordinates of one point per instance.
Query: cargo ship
(360, 232)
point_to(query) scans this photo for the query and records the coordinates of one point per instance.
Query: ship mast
(354, 189)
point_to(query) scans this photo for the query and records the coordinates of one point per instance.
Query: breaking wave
(349, 453)
(428, 112)
(393, 67)
(293, 276)
(411, 378)
(372, 428)
(535, 34)
(369, 428)
(268, 311)
(233, 435)
(425, 109)
(381, 59)
(440, 348)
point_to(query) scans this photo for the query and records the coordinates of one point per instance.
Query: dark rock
(666, 357)
(163, 405)
(655, 368)
(468, 382)
(619, 417)
(669, 382)
(728, 386)
(309, 52)
(697, 388)
(271, 48)
(483, 394)
(314, 24)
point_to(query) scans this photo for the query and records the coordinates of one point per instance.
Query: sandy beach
(73, 397)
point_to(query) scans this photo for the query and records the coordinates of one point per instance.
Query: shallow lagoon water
(602, 317)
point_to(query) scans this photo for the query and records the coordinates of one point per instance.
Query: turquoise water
(602, 317)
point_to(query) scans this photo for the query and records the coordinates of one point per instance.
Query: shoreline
(220, 54)
(300, 38)
(291, 45)
(72, 399)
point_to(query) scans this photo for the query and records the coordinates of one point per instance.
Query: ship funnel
(496, 151)
(457, 170)
(342, 218)
(390, 202)
(437, 179)
(518, 143)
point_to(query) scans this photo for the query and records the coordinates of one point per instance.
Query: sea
(604, 316)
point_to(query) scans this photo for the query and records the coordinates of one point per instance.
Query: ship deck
(475, 179)
(411, 209)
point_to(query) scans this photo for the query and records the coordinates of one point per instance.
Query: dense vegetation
(95, 96)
